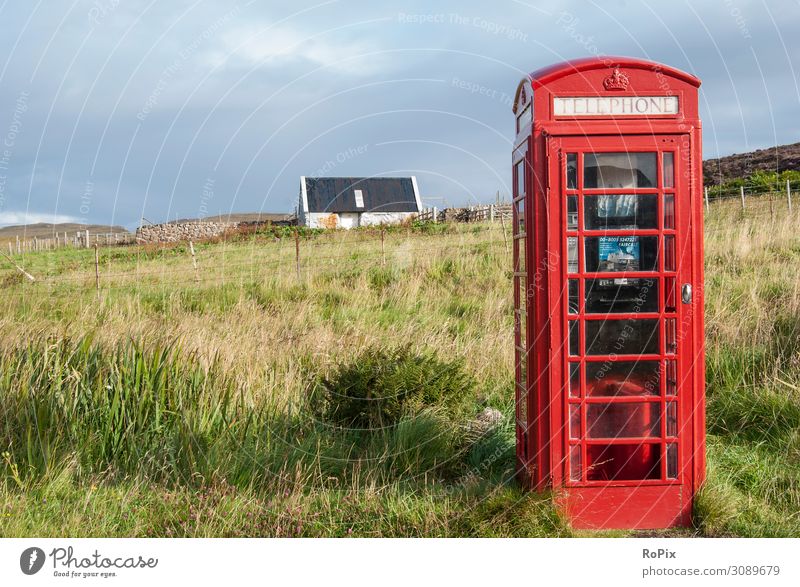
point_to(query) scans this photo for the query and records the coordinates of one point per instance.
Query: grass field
(183, 404)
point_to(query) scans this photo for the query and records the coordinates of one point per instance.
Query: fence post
(20, 269)
(194, 262)
(503, 226)
(741, 193)
(96, 269)
(19, 247)
(491, 212)
(88, 243)
(297, 252)
(789, 195)
(383, 245)
(706, 193)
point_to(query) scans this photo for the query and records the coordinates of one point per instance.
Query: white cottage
(347, 202)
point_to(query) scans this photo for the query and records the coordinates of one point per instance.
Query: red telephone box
(608, 276)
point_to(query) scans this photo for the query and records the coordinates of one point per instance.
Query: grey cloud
(144, 103)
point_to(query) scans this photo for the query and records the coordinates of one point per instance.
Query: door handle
(686, 293)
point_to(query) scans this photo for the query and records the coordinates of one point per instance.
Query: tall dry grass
(251, 329)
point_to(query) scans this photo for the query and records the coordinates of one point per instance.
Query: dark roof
(381, 194)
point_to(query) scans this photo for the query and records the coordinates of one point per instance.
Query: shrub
(380, 386)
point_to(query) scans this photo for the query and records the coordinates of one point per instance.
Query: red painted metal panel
(644, 507)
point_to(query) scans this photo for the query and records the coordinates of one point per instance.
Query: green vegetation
(760, 182)
(244, 401)
(380, 387)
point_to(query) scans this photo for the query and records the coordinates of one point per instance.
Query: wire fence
(116, 263)
(178, 266)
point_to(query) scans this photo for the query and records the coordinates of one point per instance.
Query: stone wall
(182, 231)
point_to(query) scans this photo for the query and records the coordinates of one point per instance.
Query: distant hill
(739, 166)
(242, 217)
(47, 230)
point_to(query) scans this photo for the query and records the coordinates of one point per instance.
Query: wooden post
(10, 249)
(88, 243)
(194, 262)
(789, 195)
(35, 243)
(297, 251)
(741, 193)
(491, 212)
(96, 269)
(503, 225)
(19, 246)
(383, 246)
(771, 207)
(20, 269)
(706, 192)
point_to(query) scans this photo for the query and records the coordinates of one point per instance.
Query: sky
(116, 110)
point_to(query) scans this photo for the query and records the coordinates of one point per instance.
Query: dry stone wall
(182, 231)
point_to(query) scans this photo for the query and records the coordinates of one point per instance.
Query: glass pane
(619, 170)
(623, 378)
(669, 294)
(575, 421)
(524, 119)
(572, 254)
(621, 253)
(672, 461)
(522, 332)
(523, 405)
(521, 257)
(521, 178)
(574, 379)
(670, 333)
(669, 211)
(572, 212)
(672, 419)
(575, 463)
(520, 228)
(620, 211)
(669, 170)
(574, 338)
(669, 253)
(572, 171)
(621, 295)
(573, 306)
(622, 337)
(671, 378)
(623, 462)
(623, 420)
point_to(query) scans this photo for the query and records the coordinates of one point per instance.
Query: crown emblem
(616, 81)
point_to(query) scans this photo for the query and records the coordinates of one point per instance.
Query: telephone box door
(623, 334)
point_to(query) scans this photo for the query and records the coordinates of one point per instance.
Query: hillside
(742, 165)
(47, 230)
(250, 217)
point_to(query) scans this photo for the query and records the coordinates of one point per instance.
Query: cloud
(279, 46)
(19, 218)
